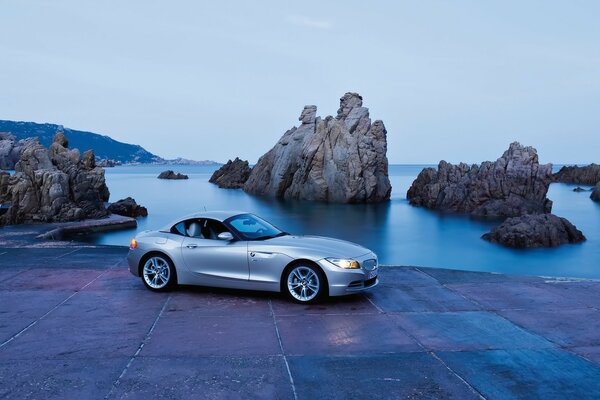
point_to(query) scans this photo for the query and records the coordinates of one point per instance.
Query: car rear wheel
(158, 273)
(305, 283)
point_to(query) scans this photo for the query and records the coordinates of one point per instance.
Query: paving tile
(100, 257)
(445, 276)
(583, 292)
(18, 309)
(391, 276)
(59, 379)
(527, 374)
(179, 334)
(206, 378)
(51, 279)
(467, 330)
(516, 295)
(353, 304)
(8, 273)
(397, 376)
(419, 298)
(342, 334)
(88, 326)
(566, 327)
(117, 279)
(202, 302)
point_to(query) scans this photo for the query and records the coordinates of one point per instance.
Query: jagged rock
(169, 174)
(128, 207)
(11, 149)
(588, 175)
(53, 185)
(596, 193)
(341, 159)
(535, 230)
(232, 175)
(515, 184)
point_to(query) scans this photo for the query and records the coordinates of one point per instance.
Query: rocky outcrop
(579, 189)
(53, 185)
(341, 159)
(11, 149)
(587, 175)
(596, 193)
(232, 175)
(539, 230)
(515, 184)
(169, 174)
(128, 207)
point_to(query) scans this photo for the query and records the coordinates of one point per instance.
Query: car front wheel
(158, 273)
(305, 283)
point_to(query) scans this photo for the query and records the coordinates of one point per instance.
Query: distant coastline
(108, 151)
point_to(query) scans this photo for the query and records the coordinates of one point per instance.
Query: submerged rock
(587, 175)
(53, 185)
(341, 159)
(539, 230)
(169, 174)
(232, 175)
(579, 189)
(128, 207)
(515, 184)
(596, 193)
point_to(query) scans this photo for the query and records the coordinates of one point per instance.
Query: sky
(453, 80)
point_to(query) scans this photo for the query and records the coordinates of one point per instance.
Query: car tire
(304, 283)
(158, 273)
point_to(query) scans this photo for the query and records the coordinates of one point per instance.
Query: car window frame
(201, 220)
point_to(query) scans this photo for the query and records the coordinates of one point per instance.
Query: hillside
(104, 147)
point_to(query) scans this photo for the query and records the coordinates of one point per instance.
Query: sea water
(399, 233)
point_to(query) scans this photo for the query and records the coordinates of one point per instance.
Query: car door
(214, 260)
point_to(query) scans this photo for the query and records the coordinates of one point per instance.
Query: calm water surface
(398, 232)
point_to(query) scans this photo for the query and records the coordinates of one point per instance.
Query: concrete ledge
(112, 223)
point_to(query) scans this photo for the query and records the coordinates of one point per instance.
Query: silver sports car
(242, 251)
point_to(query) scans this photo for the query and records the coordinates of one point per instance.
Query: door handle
(191, 246)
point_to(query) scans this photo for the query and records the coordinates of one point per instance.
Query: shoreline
(55, 234)
(52, 235)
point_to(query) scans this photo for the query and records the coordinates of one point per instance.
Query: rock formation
(11, 149)
(515, 184)
(535, 230)
(596, 193)
(341, 159)
(128, 207)
(588, 175)
(169, 174)
(232, 175)
(53, 185)
(579, 189)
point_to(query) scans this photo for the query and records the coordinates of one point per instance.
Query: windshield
(251, 227)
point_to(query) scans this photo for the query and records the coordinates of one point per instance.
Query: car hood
(310, 246)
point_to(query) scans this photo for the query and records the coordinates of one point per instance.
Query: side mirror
(225, 236)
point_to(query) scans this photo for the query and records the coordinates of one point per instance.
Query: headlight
(344, 263)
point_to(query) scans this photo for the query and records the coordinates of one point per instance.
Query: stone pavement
(74, 323)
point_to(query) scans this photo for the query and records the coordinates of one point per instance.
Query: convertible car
(242, 251)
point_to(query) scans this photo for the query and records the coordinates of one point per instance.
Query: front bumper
(347, 281)
(133, 260)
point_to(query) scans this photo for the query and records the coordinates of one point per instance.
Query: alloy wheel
(157, 273)
(303, 283)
